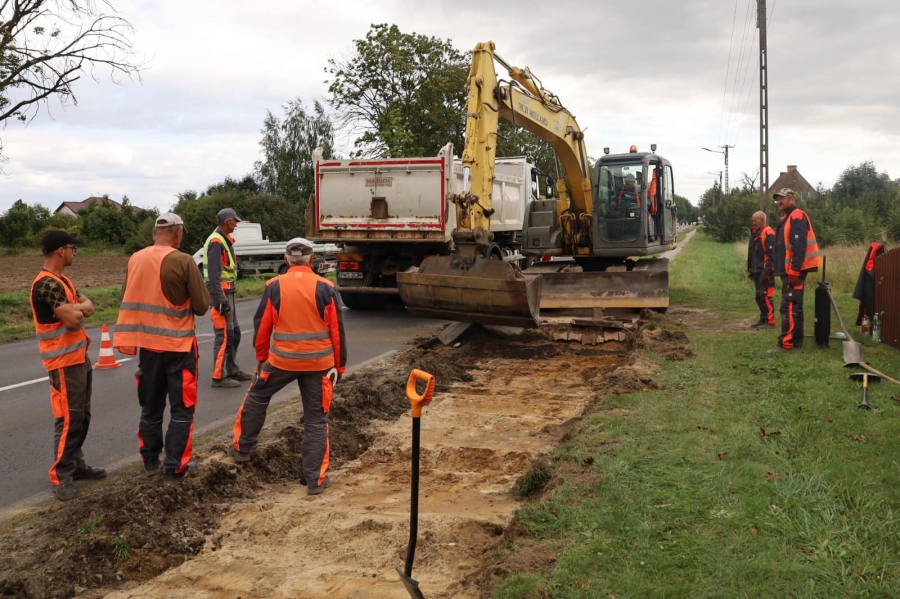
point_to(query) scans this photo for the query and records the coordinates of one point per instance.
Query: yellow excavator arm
(523, 102)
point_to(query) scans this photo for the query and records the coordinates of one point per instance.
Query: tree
(748, 183)
(16, 225)
(687, 212)
(405, 92)
(47, 45)
(726, 217)
(286, 167)
(516, 141)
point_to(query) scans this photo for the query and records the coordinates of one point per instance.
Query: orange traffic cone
(107, 359)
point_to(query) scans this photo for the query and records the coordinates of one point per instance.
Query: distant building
(794, 180)
(73, 208)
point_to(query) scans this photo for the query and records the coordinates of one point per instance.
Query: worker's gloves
(224, 309)
(793, 280)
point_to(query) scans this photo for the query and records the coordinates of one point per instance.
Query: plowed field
(87, 271)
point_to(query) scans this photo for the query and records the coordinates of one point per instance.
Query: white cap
(298, 246)
(169, 219)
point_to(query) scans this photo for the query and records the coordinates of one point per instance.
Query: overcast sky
(678, 73)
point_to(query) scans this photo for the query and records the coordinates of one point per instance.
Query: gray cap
(298, 246)
(169, 219)
(226, 213)
(629, 177)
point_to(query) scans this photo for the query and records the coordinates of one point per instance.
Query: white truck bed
(408, 198)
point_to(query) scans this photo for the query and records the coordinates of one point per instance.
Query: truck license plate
(350, 275)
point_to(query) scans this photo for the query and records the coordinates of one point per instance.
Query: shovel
(853, 353)
(417, 402)
(866, 378)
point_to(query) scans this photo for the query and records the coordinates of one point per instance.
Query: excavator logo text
(534, 115)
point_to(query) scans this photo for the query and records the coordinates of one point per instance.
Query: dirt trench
(251, 531)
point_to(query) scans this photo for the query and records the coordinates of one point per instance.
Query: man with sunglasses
(59, 310)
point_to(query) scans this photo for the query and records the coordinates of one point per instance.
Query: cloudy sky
(678, 73)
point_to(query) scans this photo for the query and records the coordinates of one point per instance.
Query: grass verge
(745, 475)
(15, 308)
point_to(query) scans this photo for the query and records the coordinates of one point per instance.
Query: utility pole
(726, 146)
(719, 194)
(763, 108)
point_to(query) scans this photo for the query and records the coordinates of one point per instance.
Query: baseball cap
(298, 246)
(169, 219)
(226, 213)
(629, 177)
(785, 192)
(53, 240)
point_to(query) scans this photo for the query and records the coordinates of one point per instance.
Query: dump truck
(390, 214)
(591, 221)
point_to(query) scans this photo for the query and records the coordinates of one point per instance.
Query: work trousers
(765, 291)
(228, 338)
(172, 374)
(315, 392)
(791, 313)
(70, 398)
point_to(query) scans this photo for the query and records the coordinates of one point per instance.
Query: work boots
(66, 491)
(228, 383)
(318, 490)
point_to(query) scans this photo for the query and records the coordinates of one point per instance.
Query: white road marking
(33, 381)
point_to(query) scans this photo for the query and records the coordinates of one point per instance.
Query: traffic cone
(107, 359)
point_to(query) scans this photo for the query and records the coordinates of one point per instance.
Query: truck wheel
(356, 301)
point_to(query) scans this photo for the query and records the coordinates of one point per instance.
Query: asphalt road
(26, 430)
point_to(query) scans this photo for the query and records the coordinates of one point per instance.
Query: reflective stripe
(140, 328)
(301, 336)
(303, 356)
(811, 241)
(154, 309)
(811, 255)
(63, 350)
(56, 333)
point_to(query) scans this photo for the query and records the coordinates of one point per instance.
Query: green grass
(15, 308)
(745, 475)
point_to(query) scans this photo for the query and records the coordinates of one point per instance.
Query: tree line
(861, 206)
(400, 94)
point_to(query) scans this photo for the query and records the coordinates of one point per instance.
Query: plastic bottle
(876, 328)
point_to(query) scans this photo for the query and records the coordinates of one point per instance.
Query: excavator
(582, 242)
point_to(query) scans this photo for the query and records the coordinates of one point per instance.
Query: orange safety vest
(302, 340)
(651, 194)
(811, 258)
(146, 318)
(59, 345)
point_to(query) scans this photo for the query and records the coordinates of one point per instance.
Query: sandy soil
(86, 271)
(251, 531)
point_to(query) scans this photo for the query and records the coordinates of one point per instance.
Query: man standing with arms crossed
(220, 272)
(796, 254)
(58, 311)
(761, 269)
(163, 291)
(308, 346)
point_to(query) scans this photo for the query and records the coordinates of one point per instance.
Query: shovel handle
(836, 311)
(418, 401)
(881, 374)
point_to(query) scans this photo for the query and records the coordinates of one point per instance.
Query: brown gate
(887, 295)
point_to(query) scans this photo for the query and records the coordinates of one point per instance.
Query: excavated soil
(249, 530)
(86, 271)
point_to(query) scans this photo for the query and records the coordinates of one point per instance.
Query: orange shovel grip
(418, 401)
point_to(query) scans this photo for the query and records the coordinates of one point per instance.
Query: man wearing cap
(761, 268)
(628, 196)
(299, 336)
(162, 293)
(796, 254)
(220, 272)
(58, 310)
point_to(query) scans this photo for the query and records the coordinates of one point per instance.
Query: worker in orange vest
(796, 254)
(299, 336)
(58, 311)
(162, 293)
(761, 268)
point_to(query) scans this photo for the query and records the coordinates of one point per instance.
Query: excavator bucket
(647, 286)
(486, 292)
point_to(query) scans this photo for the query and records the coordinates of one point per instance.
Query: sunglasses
(69, 247)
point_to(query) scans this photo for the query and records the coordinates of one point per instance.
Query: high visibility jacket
(298, 325)
(229, 264)
(146, 318)
(59, 345)
(652, 201)
(759, 253)
(796, 249)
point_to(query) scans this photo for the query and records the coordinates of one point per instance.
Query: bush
(727, 218)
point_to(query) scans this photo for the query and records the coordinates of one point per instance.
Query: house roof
(793, 180)
(77, 206)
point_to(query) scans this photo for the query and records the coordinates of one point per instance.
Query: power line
(728, 68)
